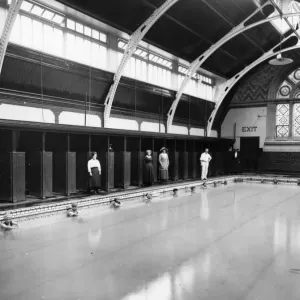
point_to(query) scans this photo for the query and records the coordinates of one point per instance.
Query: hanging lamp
(279, 60)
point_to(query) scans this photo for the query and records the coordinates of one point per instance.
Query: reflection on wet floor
(241, 241)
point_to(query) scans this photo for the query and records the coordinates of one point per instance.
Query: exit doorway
(249, 151)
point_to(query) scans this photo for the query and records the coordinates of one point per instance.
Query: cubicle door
(137, 166)
(107, 170)
(47, 174)
(82, 177)
(155, 165)
(18, 176)
(110, 170)
(192, 165)
(71, 172)
(118, 169)
(174, 165)
(127, 169)
(39, 174)
(122, 169)
(183, 165)
(12, 177)
(198, 166)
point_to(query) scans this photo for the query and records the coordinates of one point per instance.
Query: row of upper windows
(157, 59)
(60, 20)
(72, 41)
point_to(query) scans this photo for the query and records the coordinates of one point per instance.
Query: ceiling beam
(8, 26)
(133, 42)
(231, 82)
(168, 16)
(197, 63)
(232, 25)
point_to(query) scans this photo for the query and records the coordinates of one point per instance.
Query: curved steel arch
(232, 81)
(9, 23)
(196, 64)
(134, 40)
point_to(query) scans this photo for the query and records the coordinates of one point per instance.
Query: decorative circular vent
(285, 90)
(297, 74)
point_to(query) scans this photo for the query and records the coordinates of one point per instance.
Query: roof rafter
(133, 42)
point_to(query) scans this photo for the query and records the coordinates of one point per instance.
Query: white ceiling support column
(232, 81)
(196, 64)
(9, 23)
(134, 40)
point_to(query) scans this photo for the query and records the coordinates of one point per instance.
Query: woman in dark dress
(148, 169)
(94, 170)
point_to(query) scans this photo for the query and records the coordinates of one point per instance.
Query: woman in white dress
(94, 170)
(163, 165)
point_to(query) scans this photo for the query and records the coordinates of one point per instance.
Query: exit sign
(249, 128)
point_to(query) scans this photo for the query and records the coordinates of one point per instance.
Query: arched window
(288, 106)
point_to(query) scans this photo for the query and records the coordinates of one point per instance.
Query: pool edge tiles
(45, 210)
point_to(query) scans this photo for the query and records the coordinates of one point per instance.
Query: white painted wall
(245, 117)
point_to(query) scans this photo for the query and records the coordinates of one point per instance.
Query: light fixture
(279, 60)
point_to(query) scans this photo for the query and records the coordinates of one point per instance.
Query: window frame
(291, 103)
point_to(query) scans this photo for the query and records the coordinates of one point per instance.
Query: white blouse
(93, 163)
(205, 157)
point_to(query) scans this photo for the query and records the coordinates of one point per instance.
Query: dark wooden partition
(40, 173)
(108, 170)
(82, 175)
(174, 164)
(12, 177)
(64, 171)
(137, 167)
(155, 166)
(192, 165)
(122, 169)
(183, 165)
(198, 166)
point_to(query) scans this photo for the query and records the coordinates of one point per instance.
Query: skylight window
(41, 12)
(122, 44)
(103, 37)
(26, 6)
(281, 25)
(87, 31)
(48, 15)
(138, 51)
(95, 34)
(197, 76)
(79, 28)
(71, 24)
(58, 19)
(37, 10)
(144, 53)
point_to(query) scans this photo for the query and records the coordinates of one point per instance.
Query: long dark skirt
(148, 174)
(163, 174)
(95, 180)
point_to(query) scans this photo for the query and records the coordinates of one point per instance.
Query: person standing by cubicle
(163, 165)
(204, 160)
(148, 168)
(94, 170)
